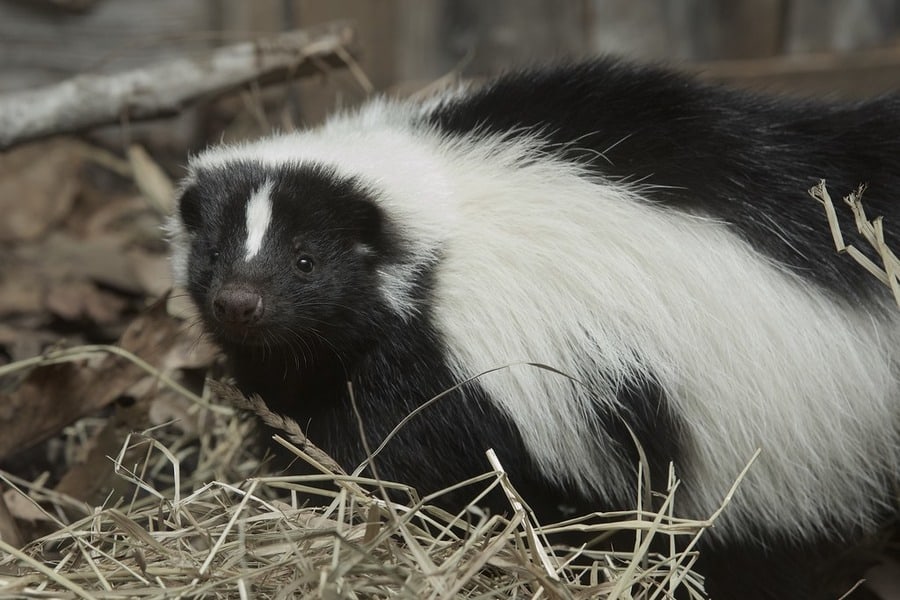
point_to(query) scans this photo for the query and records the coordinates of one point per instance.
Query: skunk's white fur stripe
(650, 289)
(259, 218)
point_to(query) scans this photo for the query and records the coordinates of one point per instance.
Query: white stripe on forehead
(259, 216)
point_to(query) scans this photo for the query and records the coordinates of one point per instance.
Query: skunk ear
(189, 208)
(369, 222)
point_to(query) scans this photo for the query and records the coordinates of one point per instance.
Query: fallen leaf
(22, 507)
(22, 287)
(53, 395)
(153, 182)
(101, 259)
(94, 479)
(83, 301)
(9, 531)
(152, 271)
(38, 185)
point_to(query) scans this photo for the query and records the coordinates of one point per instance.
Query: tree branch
(90, 100)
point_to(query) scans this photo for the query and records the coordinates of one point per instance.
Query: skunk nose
(238, 305)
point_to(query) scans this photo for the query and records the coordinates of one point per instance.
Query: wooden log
(163, 89)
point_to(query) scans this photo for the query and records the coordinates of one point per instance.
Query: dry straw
(871, 230)
(182, 532)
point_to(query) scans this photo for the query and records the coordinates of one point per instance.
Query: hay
(871, 230)
(200, 520)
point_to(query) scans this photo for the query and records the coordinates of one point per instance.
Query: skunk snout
(238, 305)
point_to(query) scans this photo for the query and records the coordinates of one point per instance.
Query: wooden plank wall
(41, 43)
(423, 39)
(786, 45)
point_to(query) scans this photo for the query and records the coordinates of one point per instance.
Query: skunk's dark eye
(213, 255)
(305, 264)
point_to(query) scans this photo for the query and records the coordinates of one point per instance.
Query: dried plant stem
(871, 230)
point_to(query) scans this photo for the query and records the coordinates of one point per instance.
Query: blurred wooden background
(833, 47)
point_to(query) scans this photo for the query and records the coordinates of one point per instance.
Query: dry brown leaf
(153, 182)
(9, 531)
(94, 479)
(106, 212)
(190, 350)
(23, 508)
(24, 340)
(60, 274)
(152, 271)
(100, 259)
(181, 306)
(22, 287)
(169, 407)
(52, 396)
(38, 185)
(83, 301)
(103, 211)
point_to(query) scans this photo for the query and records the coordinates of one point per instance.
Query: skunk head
(279, 256)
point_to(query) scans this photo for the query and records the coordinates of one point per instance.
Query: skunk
(637, 250)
